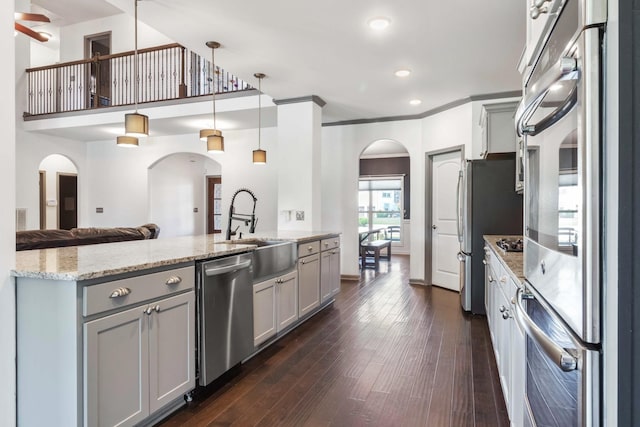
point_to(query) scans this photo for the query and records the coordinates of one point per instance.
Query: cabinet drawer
(308, 248)
(330, 243)
(104, 297)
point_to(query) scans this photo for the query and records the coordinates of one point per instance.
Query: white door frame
(428, 214)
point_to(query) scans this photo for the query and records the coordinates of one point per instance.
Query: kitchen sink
(271, 257)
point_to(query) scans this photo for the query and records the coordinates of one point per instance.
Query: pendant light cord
(135, 55)
(213, 84)
(259, 110)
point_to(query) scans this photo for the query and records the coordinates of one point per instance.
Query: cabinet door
(308, 284)
(287, 300)
(335, 272)
(503, 338)
(518, 371)
(171, 349)
(116, 370)
(264, 311)
(326, 284)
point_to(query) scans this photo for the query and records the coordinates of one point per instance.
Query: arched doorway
(178, 193)
(384, 194)
(58, 193)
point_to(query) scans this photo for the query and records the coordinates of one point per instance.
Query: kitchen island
(106, 333)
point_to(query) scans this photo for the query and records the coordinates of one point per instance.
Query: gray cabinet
(308, 284)
(498, 129)
(275, 306)
(329, 274)
(139, 360)
(116, 350)
(110, 353)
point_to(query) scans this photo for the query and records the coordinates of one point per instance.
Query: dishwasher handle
(216, 271)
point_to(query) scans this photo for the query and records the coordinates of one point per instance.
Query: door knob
(434, 226)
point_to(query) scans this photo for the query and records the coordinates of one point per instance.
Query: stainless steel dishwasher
(225, 315)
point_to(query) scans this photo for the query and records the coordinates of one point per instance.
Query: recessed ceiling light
(415, 102)
(379, 23)
(403, 72)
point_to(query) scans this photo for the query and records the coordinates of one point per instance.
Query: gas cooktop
(510, 245)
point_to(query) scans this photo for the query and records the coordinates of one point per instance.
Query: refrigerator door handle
(559, 355)
(459, 206)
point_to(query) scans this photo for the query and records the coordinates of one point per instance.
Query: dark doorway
(214, 204)
(67, 201)
(43, 199)
(98, 45)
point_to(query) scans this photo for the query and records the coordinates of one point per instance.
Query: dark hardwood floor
(385, 354)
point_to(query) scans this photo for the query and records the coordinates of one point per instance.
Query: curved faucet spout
(248, 218)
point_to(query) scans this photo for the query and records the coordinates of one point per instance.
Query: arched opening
(384, 199)
(58, 193)
(178, 186)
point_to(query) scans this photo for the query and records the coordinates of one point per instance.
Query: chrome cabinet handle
(326, 244)
(173, 280)
(335, 242)
(148, 311)
(310, 248)
(505, 315)
(120, 292)
(490, 278)
(157, 308)
(303, 262)
(484, 262)
(503, 279)
(502, 309)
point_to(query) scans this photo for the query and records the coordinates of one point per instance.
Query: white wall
(176, 187)
(7, 212)
(118, 177)
(122, 35)
(31, 149)
(52, 165)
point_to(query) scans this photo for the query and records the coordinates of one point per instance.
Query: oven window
(552, 394)
(553, 192)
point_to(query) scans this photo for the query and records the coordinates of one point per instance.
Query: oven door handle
(564, 69)
(559, 355)
(459, 205)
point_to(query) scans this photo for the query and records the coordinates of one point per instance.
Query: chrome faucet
(246, 218)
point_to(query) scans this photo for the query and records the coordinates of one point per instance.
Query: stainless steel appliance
(560, 119)
(487, 204)
(225, 314)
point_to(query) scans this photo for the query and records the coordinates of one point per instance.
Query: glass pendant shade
(136, 125)
(259, 157)
(127, 141)
(215, 142)
(204, 134)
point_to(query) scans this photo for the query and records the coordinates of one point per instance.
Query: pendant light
(127, 141)
(259, 155)
(214, 138)
(136, 124)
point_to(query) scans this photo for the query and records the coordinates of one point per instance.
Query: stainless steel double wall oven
(560, 118)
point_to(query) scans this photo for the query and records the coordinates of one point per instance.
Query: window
(380, 205)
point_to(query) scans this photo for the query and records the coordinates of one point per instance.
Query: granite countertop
(513, 261)
(77, 263)
(291, 235)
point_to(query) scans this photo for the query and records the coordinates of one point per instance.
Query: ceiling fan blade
(22, 16)
(29, 32)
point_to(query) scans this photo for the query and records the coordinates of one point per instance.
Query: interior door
(67, 201)
(214, 204)
(444, 228)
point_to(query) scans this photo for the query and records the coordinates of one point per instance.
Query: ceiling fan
(21, 16)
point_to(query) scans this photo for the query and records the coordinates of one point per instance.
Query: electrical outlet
(195, 210)
(99, 210)
(299, 215)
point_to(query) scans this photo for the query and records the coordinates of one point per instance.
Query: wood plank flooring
(385, 354)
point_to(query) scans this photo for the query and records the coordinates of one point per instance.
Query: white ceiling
(455, 48)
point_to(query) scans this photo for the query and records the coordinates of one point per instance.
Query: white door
(445, 266)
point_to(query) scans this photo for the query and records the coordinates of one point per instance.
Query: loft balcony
(164, 73)
(85, 100)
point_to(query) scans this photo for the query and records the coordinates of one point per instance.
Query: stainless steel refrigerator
(487, 204)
